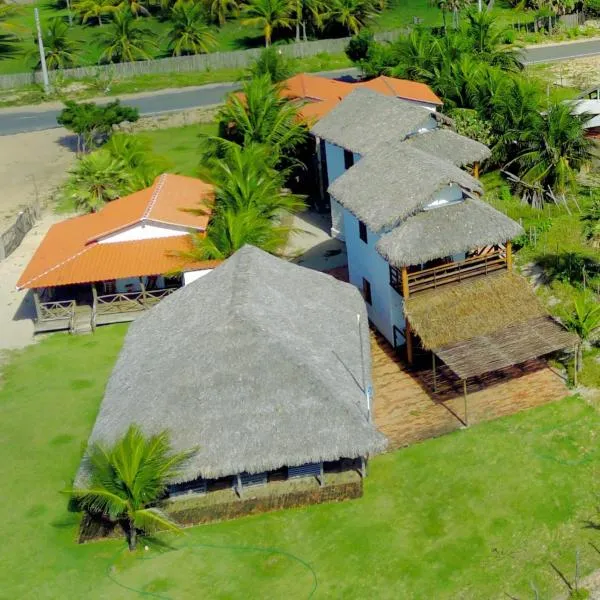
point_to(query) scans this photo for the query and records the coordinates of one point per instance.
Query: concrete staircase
(82, 320)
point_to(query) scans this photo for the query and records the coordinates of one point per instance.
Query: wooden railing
(52, 311)
(454, 272)
(129, 301)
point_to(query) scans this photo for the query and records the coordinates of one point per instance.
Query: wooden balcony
(407, 281)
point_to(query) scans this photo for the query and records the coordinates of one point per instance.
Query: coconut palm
(262, 116)
(245, 177)
(127, 40)
(270, 15)
(585, 322)
(94, 9)
(138, 158)
(353, 15)
(189, 32)
(59, 49)
(230, 229)
(127, 480)
(305, 11)
(221, 10)
(488, 41)
(10, 32)
(553, 151)
(417, 56)
(95, 179)
(134, 7)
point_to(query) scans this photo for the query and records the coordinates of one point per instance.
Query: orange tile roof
(71, 253)
(322, 94)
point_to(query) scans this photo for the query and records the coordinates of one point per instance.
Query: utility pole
(70, 13)
(42, 53)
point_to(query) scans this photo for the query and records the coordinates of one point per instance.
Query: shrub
(358, 47)
(592, 6)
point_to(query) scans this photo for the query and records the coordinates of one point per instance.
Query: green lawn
(471, 515)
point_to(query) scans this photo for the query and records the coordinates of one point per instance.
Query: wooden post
(509, 256)
(405, 288)
(320, 169)
(321, 476)
(38, 304)
(409, 343)
(143, 288)
(434, 375)
(238, 487)
(575, 365)
(476, 170)
(466, 403)
(363, 467)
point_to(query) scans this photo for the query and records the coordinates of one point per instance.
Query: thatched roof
(258, 364)
(365, 119)
(472, 308)
(446, 231)
(395, 182)
(485, 324)
(446, 144)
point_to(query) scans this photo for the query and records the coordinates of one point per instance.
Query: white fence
(185, 64)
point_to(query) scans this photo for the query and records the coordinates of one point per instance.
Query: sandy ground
(31, 165)
(577, 72)
(16, 307)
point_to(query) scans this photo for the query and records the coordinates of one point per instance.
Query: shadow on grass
(569, 267)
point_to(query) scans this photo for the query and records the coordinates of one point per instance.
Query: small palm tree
(585, 322)
(273, 64)
(59, 49)
(127, 40)
(554, 150)
(138, 158)
(189, 32)
(221, 10)
(96, 179)
(262, 116)
(94, 9)
(229, 230)
(134, 7)
(128, 479)
(353, 15)
(270, 15)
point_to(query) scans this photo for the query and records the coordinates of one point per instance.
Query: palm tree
(134, 7)
(9, 32)
(353, 15)
(585, 322)
(269, 14)
(245, 177)
(554, 149)
(488, 41)
(220, 10)
(128, 479)
(95, 179)
(59, 49)
(189, 33)
(138, 158)
(262, 116)
(308, 10)
(94, 9)
(229, 230)
(273, 64)
(591, 224)
(127, 40)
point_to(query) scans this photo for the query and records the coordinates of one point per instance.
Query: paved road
(17, 122)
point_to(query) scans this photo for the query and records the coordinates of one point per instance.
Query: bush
(358, 47)
(471, 125)
(272, 63)
(592, 7)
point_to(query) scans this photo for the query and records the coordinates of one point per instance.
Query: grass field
(471, 515)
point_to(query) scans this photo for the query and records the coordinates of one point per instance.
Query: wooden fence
(186, 64)
(12, 237)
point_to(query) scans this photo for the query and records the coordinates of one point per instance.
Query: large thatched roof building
(261, 364)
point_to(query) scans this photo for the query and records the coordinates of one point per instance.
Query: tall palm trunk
(132, 536)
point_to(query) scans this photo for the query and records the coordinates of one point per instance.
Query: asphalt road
(18, 122)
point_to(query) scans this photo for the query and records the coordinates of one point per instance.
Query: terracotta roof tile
(70, 252)
(402, 88)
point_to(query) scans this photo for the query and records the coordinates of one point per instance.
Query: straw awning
(485, 325)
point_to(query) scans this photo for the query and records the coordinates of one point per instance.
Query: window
(362, 232)
(348, 159)
(367, 291)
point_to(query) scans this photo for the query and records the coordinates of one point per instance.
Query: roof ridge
(155, 194)
(56, 266)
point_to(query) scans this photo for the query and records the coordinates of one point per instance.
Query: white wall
(335, 167)
(190, 276)
(132, 284)
(386, 309)
(143, 231)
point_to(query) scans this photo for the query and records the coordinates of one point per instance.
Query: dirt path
(31, 165)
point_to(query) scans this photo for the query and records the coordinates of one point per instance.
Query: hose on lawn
(145, 593)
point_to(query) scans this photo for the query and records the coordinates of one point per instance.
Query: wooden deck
(408, 411)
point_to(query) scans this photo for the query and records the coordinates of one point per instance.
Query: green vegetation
(495, 504)
(128, 480)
